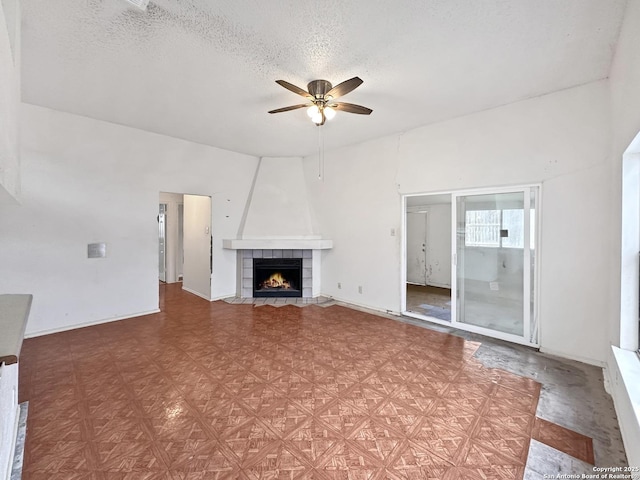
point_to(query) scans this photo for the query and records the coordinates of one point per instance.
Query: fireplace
(310, 285)
(277, 277)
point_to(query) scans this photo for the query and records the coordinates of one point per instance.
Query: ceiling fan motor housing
(319, 88)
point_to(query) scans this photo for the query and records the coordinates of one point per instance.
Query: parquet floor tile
(573, 443)
(220, 391)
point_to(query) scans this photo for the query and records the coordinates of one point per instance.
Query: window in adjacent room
(497, 228)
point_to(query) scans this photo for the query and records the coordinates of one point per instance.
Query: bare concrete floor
(572, 396)
(503, 315)
(429, 301)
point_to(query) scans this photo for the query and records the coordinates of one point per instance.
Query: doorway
(470, 261)
(171, 231)
(428, 234)
(185, 241)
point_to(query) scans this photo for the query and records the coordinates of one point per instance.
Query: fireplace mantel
(277, 243)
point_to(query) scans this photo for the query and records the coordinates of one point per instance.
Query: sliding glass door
(494, 263)
(492, 286)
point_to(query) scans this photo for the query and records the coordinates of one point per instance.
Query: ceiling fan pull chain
(320, 154)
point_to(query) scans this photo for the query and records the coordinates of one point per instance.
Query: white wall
(624, 83)
(357, 205)
(502, 265)
(561, 140)
(623, 371)
(88, 181)
(9, 100)
(279, 206)
(197, 245)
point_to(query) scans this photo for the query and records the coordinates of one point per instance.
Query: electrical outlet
(359, 288)
(339, 285)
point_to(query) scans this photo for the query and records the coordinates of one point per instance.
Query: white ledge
(625, 383)
(14, 312)
(277, 243)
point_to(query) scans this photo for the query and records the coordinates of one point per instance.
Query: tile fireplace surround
(310, 276)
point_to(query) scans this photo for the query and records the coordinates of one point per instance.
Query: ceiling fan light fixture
(317, 118)
(329, 113)
(312, 111)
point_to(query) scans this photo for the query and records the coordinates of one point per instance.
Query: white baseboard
(222, 297)
(360, 306)
(65, 328)
(577, 358)
(198, 294)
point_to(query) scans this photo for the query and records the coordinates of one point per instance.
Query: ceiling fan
(321, 95)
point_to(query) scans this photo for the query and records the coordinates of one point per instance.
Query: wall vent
(141, 4)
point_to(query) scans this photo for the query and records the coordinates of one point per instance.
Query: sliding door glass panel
(492, 237)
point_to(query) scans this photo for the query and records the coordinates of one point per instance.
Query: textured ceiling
(204, 70)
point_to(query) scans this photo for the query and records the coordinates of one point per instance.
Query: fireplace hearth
(277, 277)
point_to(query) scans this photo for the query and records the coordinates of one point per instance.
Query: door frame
(525, 339)
(173, 200)
(162, 240)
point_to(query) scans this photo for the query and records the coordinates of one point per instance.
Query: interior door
(416, 247)
(493, 263)
(438, 252)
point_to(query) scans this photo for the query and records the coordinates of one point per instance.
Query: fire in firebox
(277, 277)
(276, 280)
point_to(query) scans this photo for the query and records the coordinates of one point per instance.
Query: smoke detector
(141, 4)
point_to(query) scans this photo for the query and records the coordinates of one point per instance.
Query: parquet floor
(212, 390)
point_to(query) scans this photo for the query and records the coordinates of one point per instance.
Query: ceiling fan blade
(344, 87)
(351, 108)
(292, 107)
(291, 87)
